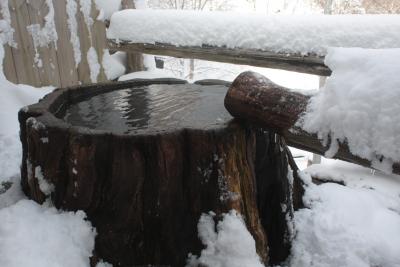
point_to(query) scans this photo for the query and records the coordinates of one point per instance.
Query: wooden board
(292, 62)
(48, 68)
(8, 62)
(65, 51)
(24, 53)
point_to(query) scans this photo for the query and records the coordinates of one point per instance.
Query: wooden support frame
(310, 64)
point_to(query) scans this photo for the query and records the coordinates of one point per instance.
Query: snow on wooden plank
(311, 64)
(296, 43)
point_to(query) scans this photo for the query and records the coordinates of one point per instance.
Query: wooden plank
(24, 54)
(85, 43)
(99, 41)
(48, 68)
(311, 64)
(65, 52)
(8, 62)
(300, 139)
(260, 101)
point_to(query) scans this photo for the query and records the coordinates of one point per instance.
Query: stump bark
(144, 189)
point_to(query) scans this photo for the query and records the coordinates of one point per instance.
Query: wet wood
(145, 193)
(255, 98)
(292, 62)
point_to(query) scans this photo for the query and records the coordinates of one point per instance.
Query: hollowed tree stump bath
(145, 158)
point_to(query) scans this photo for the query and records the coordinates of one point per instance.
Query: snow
(107, 8)
(353, 225)
(94, 65)
(44, 186)
(277, 33)
(355, 176)
(44, 36)
(154, 74)
(33, 235)
(228, 245)
(359, 104)
(140, 4)
(72, 8)
(13, 97)
(6, 30)
(114, 65)
(86, 9)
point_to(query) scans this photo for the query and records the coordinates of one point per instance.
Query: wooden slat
(8, 63)
(85, 43)
(292, 62)
(48, 71)
(65, 52)
(99, 42)
(24, 54)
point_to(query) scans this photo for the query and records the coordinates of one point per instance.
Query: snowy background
(353, 220)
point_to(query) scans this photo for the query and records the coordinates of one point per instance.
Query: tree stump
(145, 158)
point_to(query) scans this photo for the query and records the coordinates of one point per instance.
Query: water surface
(152, 108)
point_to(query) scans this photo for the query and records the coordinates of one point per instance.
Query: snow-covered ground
(355, 224)
(30, 234)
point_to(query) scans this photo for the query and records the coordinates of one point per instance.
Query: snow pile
(6, 30)
(359, 104)
(13, 98)
(230, 246)
(356, 176)
(34, 235)
(107, 8)
(44, 36)
(114, 65)
(347, 226)
(295, 34)
(153, 74)
(72, 8)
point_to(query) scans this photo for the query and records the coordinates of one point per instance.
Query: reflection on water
(152, 108)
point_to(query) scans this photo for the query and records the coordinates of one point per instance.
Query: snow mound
(13, 97)
(278, 33)
(348, 227)
(34, 235)
(114, 65)
(359, 104)
(230, 246)
(107, 8)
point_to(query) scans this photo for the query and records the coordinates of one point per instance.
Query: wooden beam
(258, 100)
(310, 64)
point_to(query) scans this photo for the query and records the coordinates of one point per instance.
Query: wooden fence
(40, 57)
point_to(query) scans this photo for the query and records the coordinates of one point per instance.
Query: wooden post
(134, 60)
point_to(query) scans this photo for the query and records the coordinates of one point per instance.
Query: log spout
(255, 98)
